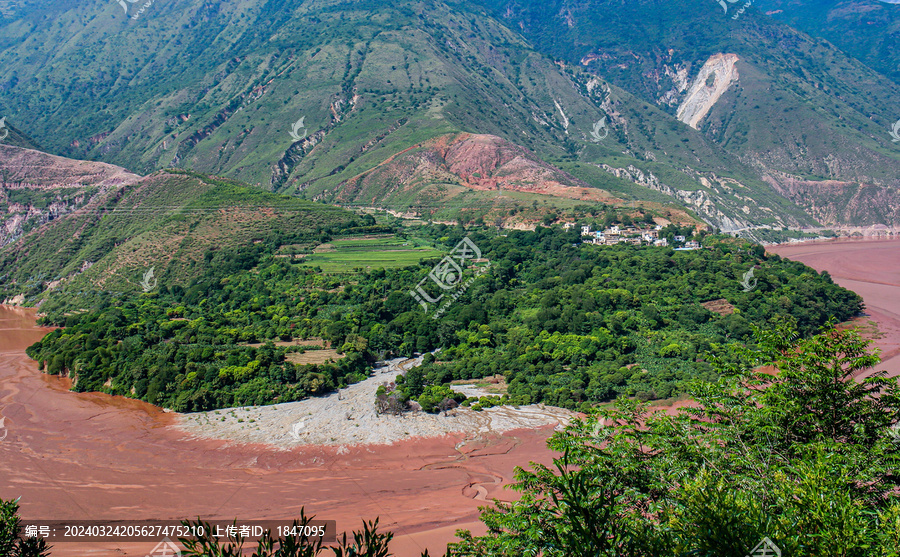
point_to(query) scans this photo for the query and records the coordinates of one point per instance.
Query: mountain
(868, 30)
(86, 226)
(740, 122)
(813, 121)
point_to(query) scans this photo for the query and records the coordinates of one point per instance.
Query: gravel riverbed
(348, 417)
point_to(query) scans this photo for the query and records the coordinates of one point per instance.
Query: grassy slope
(217, 87)
(868, 30)
(167, 221)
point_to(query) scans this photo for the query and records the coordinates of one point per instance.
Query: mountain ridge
(370, 80)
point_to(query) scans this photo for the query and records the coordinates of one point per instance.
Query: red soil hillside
(445, 167)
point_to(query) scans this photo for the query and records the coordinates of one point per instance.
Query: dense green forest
(805, 457)
(565, 323)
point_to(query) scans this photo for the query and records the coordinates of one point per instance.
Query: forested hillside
(868, 30)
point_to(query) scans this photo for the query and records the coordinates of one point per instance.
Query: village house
(649, 236)
(617, 234)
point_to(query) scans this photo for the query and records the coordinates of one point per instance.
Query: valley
(491, 278)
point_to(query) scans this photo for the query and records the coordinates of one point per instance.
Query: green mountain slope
(101, 230)
(798, 110)
(368, 79)
(868, 30)
(304, 98)
(10, 135)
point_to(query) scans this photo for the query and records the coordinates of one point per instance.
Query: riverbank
(94, 456)
(348, 417)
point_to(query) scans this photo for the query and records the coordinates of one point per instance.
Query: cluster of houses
(616, 234)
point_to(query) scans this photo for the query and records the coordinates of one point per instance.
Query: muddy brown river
(872, 270)
(76, 456)
(73, 456)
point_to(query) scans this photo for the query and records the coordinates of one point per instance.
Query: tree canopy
(806, 456)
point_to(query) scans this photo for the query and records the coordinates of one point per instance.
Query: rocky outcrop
(717, 200)
(677, 74)
(840, 204)
(715, 77)
(37, 188)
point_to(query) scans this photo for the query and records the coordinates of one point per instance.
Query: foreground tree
(12, 543)
(806, 456)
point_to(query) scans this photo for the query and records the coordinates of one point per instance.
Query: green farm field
(345, 255)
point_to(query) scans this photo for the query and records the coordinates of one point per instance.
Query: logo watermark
(895, 131)
(765, 548)
(148, 277)
(298, 125)
(448, 274)
(746, 282)
(165, 548)
(599, 432)
(739, 12)
(599, 125)
(296, 428)
(893, 433)
(5, 132)
(143, 8)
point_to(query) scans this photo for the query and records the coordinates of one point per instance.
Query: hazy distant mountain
(318, 97)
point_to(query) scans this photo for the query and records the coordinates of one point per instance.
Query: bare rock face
(715, 77)
(840, 204)
(38, 188)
